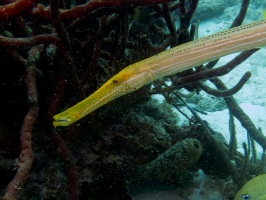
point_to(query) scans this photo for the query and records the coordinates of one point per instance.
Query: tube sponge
(172, 162)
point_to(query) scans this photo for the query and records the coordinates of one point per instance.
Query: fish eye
(245, 196)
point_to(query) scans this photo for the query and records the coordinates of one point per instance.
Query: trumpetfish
(174, 60)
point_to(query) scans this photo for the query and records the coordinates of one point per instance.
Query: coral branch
(59, 25)
(72, 177)
(81, 10)
(241, 15)
(26, 156)
(28, 42)
(185, 18)
(228, 92)
(94, 61)
(159, 12)
(16, 8)
(65, 47)
(70, 165)
(56, 98)
(233, 140)
(241, 115)
(170, 24)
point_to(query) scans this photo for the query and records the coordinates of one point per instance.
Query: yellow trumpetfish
(169, 62)
(253, 189)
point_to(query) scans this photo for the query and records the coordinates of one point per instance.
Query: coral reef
(55, 53)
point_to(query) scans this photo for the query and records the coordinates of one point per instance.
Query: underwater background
(168, 140)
